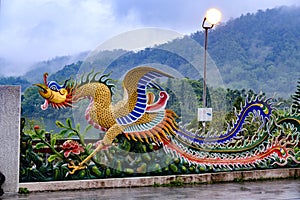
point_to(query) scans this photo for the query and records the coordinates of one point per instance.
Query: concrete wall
(10, 108)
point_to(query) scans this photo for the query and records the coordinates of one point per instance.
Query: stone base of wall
(163, 180)
(10, 109)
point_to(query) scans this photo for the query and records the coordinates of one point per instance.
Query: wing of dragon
(145, 118)
(137, 101)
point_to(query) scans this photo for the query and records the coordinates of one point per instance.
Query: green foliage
(124, 158)
(32, 165)
(23, 190)
(69, 71)
(15, 81)
(40, 135)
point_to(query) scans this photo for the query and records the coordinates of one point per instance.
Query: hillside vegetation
(253, 53)
(259, 51)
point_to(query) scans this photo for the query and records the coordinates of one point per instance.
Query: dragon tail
(258, 106)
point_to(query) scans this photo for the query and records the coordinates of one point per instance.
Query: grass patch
(23, 191)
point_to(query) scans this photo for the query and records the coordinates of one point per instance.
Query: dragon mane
(91, 77)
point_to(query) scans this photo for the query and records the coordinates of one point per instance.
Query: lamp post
(212, 17)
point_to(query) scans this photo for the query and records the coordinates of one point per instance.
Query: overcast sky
(35, 30)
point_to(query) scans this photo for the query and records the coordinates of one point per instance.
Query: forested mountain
(253, 53)
(15, 81)
(259, 51)
(51, 66)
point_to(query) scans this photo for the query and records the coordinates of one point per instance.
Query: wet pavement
(278, 189)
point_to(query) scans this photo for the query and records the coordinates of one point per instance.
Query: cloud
(186, 15)
(35, 30)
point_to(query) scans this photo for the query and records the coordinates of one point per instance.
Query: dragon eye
(54, 88)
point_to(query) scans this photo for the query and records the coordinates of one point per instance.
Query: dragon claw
(75, 167)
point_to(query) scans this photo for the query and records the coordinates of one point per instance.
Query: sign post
(204, 114)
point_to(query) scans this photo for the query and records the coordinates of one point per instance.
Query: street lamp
(212, 17)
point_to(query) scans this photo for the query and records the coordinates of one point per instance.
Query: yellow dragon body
(137, 115)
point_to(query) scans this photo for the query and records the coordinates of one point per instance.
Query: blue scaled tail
(259, 107)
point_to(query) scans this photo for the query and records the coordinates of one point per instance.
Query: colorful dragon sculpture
(140, 117)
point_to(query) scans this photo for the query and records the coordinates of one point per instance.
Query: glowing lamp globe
(213, 16)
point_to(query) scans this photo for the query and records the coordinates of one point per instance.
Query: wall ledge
(205, 178)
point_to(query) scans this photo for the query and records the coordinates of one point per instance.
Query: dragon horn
(45, 78)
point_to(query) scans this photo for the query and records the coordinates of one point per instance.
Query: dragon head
(58, 96)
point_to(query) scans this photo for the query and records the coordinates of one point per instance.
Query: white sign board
(204, 114)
